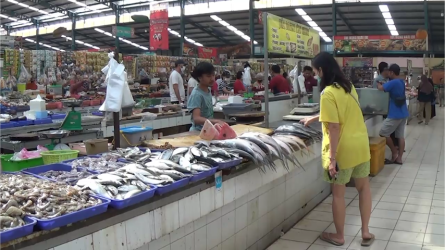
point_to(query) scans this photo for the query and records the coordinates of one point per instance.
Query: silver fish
(131, 193)
(98, 189)
(200, 167)
(112, 189)
(180, 151)
(149, 179)
(111, 177)
(127, 188)
(159, 165)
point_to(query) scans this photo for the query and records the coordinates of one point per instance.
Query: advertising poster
(207, 53)
(291, 38)
(357, 62)
(189, 50)
(242, 49)
(379, 43)
(159, 26)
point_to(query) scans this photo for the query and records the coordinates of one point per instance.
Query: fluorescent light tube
(300, 12)
(384, 8)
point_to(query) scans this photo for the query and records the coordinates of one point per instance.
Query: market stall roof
(352, 19)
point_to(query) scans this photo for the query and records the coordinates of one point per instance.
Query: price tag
(218, 180)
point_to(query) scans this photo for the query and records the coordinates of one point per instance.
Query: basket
(13, 166)
(57, 156)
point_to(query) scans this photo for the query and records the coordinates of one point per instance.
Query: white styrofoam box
(189, 209)
(160, 243)
(228, 188)
(138, 231)
(170, 217)
(201, 239)
(227, 225)
(110, 238)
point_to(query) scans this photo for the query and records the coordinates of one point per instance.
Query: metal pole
(266, 70)
(8, 30)
(116, 40)
(427, 26)
(116, 125)
(334, 23)
(182, 30)
(251, 28)
(37, 35)
(73, 33)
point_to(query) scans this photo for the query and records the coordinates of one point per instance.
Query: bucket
(96, 146)
(21, 87)
(135, 135)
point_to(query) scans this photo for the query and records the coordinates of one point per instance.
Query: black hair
(332, 73)
(201, 69)
(382, 66)
(395, 69)
(239, 74)
(276, 69)
(307, 68)
(247, 65)
(285, 74)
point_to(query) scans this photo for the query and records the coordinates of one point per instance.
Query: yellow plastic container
(377, 148)
(21, 87)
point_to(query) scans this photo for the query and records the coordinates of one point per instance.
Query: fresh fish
(195, 151)
(154, 171)
(127, 188)
(175, 175)
(134, 170)
(159, 164)
(167, 178)
(288, 153)
(180, 151)
(185, 163)
(112, 189)
(149, 179)
(119, 197)
(208, 161)
(243, 154)
(175, 166)
(131, 193)
(141, 185)
(200, 167)
(288, 141)
(166, 154)
(98, 189)
(107, 177)
(258, 142)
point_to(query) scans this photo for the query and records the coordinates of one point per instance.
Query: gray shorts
(396, 126)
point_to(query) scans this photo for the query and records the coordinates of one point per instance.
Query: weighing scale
(73, 120)
(302, 111)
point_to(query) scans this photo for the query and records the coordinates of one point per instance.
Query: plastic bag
(115, 82)
(148, 117)
(24, 76)
(11, 82)
(127, 97)
(25, 154)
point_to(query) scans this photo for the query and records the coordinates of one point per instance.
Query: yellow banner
(291, 38)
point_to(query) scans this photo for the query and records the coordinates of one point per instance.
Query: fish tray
(175, 185)
(230, 163)
(142, 196)
(18, 232)
(203, 175)
(36, 171)
(49, 224)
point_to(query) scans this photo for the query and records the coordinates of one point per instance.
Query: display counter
(250, 209)
(413, 108)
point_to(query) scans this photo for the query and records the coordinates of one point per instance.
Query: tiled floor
(408, 202)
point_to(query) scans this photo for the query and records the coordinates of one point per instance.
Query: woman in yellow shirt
(345, 146)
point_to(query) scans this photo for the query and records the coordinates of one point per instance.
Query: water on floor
(408, 202)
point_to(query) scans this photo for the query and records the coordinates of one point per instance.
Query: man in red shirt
(309, 80)
(238, 86)
(278, 84)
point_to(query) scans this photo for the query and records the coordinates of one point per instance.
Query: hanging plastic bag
(24, 76)
(115, 82)
(127, 97)
(11, 82)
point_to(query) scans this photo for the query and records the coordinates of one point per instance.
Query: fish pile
(301, 131)
(105, 163)
(40, 198)
(66, 176)
(134, 178)
(11, 216)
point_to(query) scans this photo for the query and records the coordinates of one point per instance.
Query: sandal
(387, 162)
(368, 242)
(326, 238)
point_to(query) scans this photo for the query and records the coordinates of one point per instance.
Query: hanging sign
(207, 53)
(357, 62)
(159, 26)
(379, 43)
(188, 50)
(122, 31)
(291, 38)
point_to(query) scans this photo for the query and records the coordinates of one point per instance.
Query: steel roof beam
(52, 7)
(17, 16)
(339, 14)
(204, 29)
(94, 39)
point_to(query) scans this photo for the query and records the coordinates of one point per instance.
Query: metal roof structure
(353, 18)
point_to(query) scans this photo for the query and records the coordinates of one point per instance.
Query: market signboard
(357, 62)
(379, 43)
(159, 26)
(188, 50)
(291, 38)
(122, 31)
(207, 53)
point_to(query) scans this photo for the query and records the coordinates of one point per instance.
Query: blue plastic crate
(7, 125)
(68, 162)
(172, 187)
(230, 163)
(49, 224)
(58, 116)
(43, 121)
(26, 123)
(36, 171)
(98, 113)
(203, 175)
(18, 232)
(142, 196)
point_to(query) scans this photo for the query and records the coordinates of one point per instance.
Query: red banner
(159, 26)
(207, 53)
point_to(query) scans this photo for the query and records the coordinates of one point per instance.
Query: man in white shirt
(176, 83)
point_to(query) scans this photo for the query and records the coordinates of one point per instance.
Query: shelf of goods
(136, 176)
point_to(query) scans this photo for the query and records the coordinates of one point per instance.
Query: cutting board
(295, 117)
(189, 140)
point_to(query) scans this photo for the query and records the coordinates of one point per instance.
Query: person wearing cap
(258, 85)
(176, 83)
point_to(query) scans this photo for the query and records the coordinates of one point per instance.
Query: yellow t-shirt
(337, 106)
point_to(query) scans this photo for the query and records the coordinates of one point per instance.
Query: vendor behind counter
(200, 101)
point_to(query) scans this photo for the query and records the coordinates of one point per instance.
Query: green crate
(13, 166)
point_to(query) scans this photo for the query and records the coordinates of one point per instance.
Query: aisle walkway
(408, 202)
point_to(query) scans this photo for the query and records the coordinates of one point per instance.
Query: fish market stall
(198, 195)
